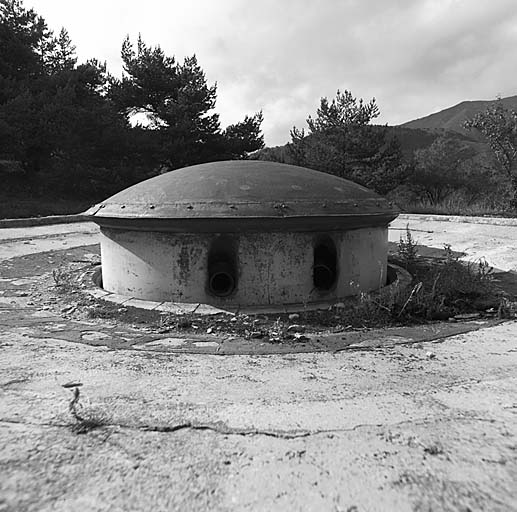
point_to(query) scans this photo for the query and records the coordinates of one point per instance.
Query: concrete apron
(420, 426)
(48, 323)
(25, 306)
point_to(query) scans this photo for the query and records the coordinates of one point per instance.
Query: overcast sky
(281, 56)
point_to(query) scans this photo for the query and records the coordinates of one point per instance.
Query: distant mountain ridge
(453, 118)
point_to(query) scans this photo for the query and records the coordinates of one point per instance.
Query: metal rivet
(151, 206)
(122, 205)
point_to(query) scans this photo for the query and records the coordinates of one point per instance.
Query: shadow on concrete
(426, 251)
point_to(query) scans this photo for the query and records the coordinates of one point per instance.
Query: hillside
(410, 140)
(421, 133)
(458, 177)
(452, 118)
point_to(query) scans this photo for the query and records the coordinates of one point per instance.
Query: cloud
(415, 57)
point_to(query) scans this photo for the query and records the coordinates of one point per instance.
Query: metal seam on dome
(257, 217)
(210, 202)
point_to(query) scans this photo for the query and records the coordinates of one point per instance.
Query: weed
(506, 309)
(181, 322)
(407, 249)
(62, 279)
(440, 289)
(278, 331)
(448, 286)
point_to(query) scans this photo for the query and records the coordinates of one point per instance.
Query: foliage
(499, 126)
(407, 249)
(456, 203)
(55, 118)
(61, 53)
(280, 154)
(452, 175)
(68, 126)
(438, 169)
(341, 141)
(178, 104)
(24, 40)
(443, 287)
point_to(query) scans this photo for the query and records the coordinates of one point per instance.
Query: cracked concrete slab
(377, 430)
(396, 424)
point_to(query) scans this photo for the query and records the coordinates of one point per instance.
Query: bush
(457, 202)
(443, 287)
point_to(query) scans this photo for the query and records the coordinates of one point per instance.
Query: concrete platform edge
(497, 221)
(68, 219)
(43, 221)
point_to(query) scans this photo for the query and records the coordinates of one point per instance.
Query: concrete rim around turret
(401, 279)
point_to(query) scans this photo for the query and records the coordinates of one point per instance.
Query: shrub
(443, 287)
(407, 249)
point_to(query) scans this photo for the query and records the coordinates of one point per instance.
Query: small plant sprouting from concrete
(59, 276)
(281, 330)
(407, 249)
(63, 280)
(87, 419)
(507, 309)
(446, 286)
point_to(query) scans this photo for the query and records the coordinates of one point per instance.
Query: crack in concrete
(220, 428)
(34, 424)
(13, 381)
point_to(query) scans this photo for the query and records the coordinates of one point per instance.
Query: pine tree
(342, 141)
(60, 53)
(24, 39)
(179, 106)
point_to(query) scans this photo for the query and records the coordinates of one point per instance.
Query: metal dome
(243, 195)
